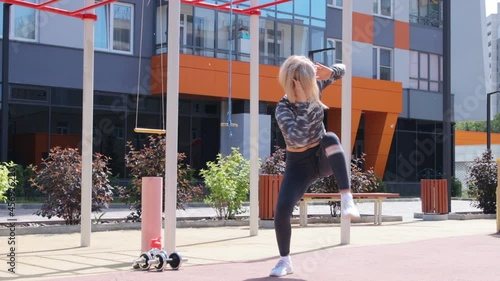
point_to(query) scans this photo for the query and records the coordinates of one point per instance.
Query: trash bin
(269, 186)
(434, 196)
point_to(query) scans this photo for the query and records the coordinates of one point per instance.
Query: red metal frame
(255, 10)
(44, 6)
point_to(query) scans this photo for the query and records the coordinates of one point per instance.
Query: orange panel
(334, 121)
(472, 138)
(401, 35)
(379, 132)
(362, 28)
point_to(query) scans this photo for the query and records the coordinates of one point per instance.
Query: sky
(491, 6)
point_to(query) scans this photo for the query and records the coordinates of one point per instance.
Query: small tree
(228, 181)
(482, 182)
(150, 162)
(8, 179)
(60, 178)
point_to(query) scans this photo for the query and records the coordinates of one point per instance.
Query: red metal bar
(46, 8)
(235, 2)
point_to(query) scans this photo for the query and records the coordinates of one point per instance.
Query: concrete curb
(463, 216)
(181, 223)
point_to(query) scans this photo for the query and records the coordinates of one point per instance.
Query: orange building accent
(334, 122)
(379, 132)
(474, 138)
(362, 28)
(208, 77)
(401, 35)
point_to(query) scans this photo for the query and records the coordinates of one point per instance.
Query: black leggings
(301, 170)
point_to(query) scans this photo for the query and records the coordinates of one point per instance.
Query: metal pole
(345, 225)
(447, 108)
(488, 121)
(174, 11)
(254, 122)
(5, 81)
(87, 123)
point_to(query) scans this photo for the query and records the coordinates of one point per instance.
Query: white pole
(87, 120)
(345, 225)
(174, 11)
(254, 122)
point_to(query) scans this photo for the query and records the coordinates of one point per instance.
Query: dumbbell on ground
(162, 258)
(143, 261)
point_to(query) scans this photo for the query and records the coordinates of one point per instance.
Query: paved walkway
(408, 250)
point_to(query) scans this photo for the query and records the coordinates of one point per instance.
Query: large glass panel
(318, 9)
(434, 13)
(109, 138)
(122, 27)
(266, 38)
(161, 29)
(406, 160)
(243, 34)
(302, 7)
(25, 22)
(414, 11)
(434, 67)
(317, 43)
(66, 97)
(284, 40)
(186, 29)
(66, 127)
(375, 65)
(301, 39)
(385, 73)
(223, 31)
(413, 64)
(204, 34)
(101, 32)
(424, 66)
(385, 57)
(28, 133)
(286, 7)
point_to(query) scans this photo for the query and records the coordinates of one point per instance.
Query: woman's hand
(300, 95)
(322, 72)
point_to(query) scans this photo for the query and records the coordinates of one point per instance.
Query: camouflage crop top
(301, 123)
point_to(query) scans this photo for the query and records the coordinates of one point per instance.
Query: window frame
(379, 9)
(333, 4)
(428, 80)
(334, 42)
(391, 67)
(12, 33)
(110, 26)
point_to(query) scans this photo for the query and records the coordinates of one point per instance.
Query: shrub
(482, 182)
(456, 187)
(60, 178)
(228, 180)
(150, 162)
(8, 179)
(274, 163)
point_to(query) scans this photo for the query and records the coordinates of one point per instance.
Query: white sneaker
(348, 208)
(282, 268)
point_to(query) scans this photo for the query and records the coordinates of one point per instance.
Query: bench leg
(375, 212)
(303, 212)
(379, 202)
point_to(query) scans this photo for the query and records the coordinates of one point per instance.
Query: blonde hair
(302, 69)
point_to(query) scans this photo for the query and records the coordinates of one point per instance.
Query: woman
(312, 152)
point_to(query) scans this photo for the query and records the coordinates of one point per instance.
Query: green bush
(60, 178)
(150, 162)
(456, 187)
(8, 179)
(228, 181)
(482, 182)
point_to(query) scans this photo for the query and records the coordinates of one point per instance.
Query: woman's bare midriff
(302, 149)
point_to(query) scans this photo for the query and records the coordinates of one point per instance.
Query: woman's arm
(327, 75)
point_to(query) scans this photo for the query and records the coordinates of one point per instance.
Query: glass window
(25, 23)
(426, 12)
(223, 31)
(382, 63)
(204, 34)
(266, 38)
(301, 37)
(335, 3)
(413, 64)
(243, 35)
(334, 56)
(424, 66)
(161, 29)
(284, 40)
(318, 42)
(113, 29)
(434, 67)
(425, 69)
(382, 8)
(28, 94)
(318, 9)
(186, 28)
(302, 7)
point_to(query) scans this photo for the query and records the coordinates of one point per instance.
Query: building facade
(397, 80)
(493, 43)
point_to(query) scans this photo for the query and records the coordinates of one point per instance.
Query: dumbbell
(175, 260)
(162, 258)
(143, 261)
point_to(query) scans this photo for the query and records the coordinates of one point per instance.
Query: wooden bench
(377, 198)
